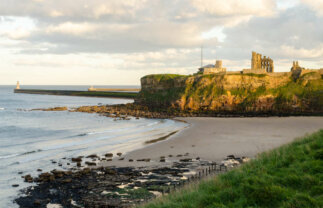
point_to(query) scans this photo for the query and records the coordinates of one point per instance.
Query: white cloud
(234, 7)
(138, 37)
(72, 28)
(316, 5)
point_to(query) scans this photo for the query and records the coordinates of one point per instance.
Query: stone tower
(218, 64)
(259, 63)
(17, 86)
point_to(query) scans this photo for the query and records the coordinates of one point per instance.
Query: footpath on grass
(289, 176)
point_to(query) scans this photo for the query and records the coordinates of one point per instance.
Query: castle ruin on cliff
(213, 69)
(260, 65)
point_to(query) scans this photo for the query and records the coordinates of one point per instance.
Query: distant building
(17, 86)
(213, 69)
(296, 67)
(260, 65)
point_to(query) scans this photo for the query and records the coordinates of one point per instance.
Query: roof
(208, 66)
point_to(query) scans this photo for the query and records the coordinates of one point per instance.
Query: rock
(92, 156)
(90, 163)
(67, 163)
(130, 160)
(20, 172)
(108, 155)
(121, 158)
(77, 159)
(186, 154)
(37, 202)
(198, 158)
(109, 160)
(179, 155)
(230, 157)
(28, 178)
(78, 164)
(15, 185)
(119, 154)
(185, 160)
(162, 160)
(170, 155)
(68, 180)
(39, 170)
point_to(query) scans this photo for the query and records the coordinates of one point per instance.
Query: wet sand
(215, 138)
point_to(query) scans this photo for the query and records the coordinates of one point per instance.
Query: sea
(31, 140)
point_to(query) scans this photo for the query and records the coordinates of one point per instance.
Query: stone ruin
(212, 69)
(261, 63)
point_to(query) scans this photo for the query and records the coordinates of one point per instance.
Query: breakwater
(111, 94)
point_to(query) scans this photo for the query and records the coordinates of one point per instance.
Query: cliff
(236, 93)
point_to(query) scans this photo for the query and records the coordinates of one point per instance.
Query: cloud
(233, 7)
(156, 36)
(294, 33)
(316, 5)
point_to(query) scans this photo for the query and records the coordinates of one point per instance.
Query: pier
(110, 94)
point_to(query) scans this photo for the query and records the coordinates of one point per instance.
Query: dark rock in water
(117, 187)
(39, 170)
(15, 185)
(109, 160)
(230, 157)
(179, 155)
(162, 160)
(198, 158)
(20, 172)
(90, 163)
(170, 155)
(78, 164)
(185, 160)
(54, 162)
(186, 154)
(28, 178)
(92, 156)
(119, 154)
(67, 163)
(108, 155)
(121, 158)
(77, 159)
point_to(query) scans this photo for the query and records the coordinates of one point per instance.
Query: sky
(113, 42)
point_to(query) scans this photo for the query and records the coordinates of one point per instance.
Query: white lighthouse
(17, 86)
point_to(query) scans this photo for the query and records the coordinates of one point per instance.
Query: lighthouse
(17, 86)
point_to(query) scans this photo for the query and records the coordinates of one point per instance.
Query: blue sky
(114, 42)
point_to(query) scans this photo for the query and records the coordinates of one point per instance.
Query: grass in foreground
(289, 176)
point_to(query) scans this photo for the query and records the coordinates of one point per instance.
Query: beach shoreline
(213, 139)
(202, 148)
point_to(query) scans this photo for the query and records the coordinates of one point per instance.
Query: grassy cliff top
(289, 176)
(163, 77)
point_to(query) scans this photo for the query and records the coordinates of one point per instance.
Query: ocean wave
(17, 154)
(8, 156)
(2, 108)
(30, 152)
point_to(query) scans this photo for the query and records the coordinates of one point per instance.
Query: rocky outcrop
(272, 92)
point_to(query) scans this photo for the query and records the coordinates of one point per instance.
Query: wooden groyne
(111, 94)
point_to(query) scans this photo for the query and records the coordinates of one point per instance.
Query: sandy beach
(215, 138)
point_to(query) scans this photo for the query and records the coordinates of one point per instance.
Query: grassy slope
(311, 93)
(289, 176)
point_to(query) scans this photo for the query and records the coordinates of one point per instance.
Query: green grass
(164, 77)
(290, 176)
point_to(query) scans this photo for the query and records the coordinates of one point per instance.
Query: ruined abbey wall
(261, 63)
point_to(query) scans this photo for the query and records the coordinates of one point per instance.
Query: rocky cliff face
(233, 92)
